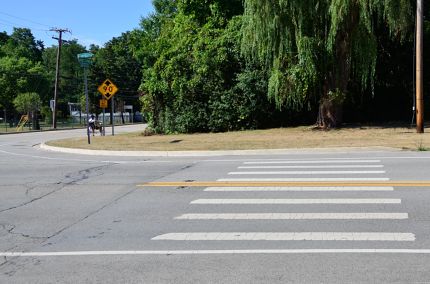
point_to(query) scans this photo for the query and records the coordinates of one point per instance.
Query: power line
(16, 25)
(23, 19)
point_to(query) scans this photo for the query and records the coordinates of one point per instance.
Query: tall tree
(21, 43)
(195, 82)
(313, 49)
(29, 103)
(20, 68)
(116, 61)
(19, 75)
(71, 84)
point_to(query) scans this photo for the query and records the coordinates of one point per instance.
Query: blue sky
(91, 22)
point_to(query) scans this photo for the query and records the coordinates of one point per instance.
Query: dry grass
(283, 138)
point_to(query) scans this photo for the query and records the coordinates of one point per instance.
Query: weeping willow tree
(312, 49)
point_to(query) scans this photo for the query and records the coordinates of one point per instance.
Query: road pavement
(295, 217)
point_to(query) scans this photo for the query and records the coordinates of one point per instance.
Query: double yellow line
(283, 184)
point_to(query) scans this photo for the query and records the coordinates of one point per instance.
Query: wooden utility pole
(57, 72)
(419, 68)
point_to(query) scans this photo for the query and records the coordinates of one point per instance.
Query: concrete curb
(213, 153)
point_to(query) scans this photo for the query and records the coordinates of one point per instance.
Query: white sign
(52, 104)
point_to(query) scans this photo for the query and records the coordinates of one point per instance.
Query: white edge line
(202, 252)
(81, 160)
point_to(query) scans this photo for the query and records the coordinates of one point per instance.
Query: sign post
(108, 90)
(113, 115)
(103, 105)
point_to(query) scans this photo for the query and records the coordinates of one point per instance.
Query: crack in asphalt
(85, 174)
(91, 214)
(187, 167)
(29, 188)
(24, 235)
(5, 258)
(9, 228)
(4, 262)
(69, 179)
(82, 177)
(46, 238)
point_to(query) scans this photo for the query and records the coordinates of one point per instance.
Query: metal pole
(419, 69)
(113, 116)
(87, 104)
(104, 127)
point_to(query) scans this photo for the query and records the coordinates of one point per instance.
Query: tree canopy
(221, 65)
(27, 102)
(312, 49)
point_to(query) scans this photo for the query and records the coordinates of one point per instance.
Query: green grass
(422, 148)
(279, 138)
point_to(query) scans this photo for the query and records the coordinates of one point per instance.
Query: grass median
(280, 138)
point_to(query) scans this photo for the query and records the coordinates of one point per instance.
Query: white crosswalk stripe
(340, 170)
(301, 188)
(294, 216)
(290, 236)
(303, 179)
(312, 162)
(299, 201)
(313, 167)
(307, 173)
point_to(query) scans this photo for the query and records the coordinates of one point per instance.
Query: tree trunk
(330, 112)
(35, 123)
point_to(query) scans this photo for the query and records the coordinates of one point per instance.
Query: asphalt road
(361, 217)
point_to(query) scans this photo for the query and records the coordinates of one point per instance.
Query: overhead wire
(13, 24)
(16, 25)
(23, 19)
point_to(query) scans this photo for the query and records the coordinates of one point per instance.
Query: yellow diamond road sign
(107, 89)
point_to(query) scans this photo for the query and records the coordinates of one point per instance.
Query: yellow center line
(283, 184)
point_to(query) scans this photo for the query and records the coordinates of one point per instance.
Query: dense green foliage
(115, 61)
(313, 49)
(212, 66)
(70, 85)
(221, 65)
(26, 66)
(21, 70)
(27, 102)
(198, 80)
